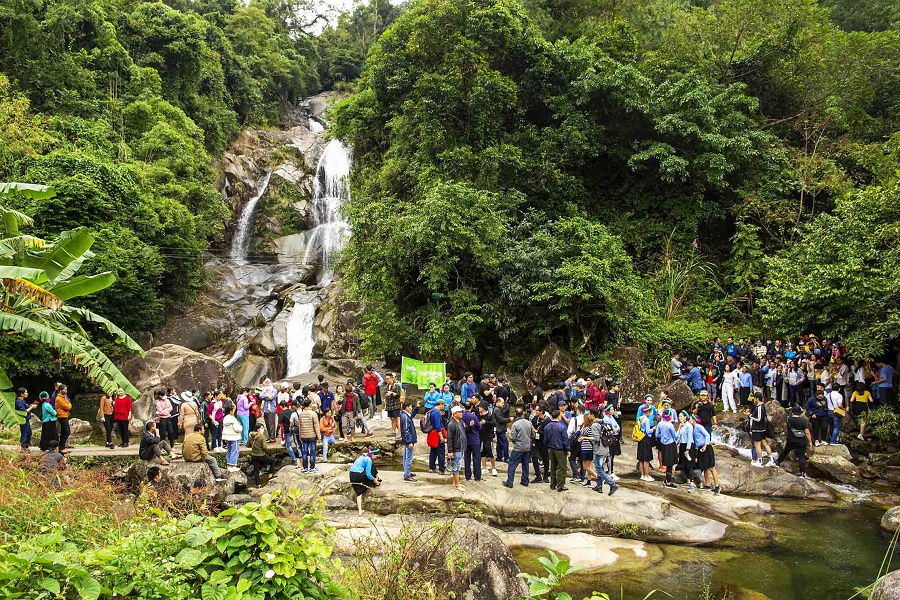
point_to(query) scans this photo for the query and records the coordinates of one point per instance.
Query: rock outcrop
(833, 462)
(777, 416)
(633, 377)
(679, 392)
(182, 476)
(174, 366)
(737, 477)
(551, 366)
(891, 519)
(80, 431)
(887, 588)
(471, 562)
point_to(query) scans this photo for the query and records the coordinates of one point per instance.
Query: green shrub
(884, 424)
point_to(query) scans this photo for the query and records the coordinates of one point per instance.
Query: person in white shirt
(835, 402)
(730, 382)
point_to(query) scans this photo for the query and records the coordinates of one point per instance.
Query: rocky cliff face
(242, 316)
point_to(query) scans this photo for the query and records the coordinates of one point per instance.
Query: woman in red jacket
(122, 407)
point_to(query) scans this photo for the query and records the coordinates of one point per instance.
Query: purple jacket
(243, 406)
(473, 432)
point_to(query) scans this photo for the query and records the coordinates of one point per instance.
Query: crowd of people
(569, 435)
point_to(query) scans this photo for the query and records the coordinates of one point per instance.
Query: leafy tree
(38, 279)
(744, 266)
(843, 277)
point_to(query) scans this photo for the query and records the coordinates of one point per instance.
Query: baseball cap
(456, 409)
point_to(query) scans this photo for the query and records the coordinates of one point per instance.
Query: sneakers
(861, 438)
(314, 470)
(804, 476)
(692, 488)
(662, 469)
(586, 483)
(646, 478)
(304, 471)
(494, 472)
(220, 479)
(706, 488)
(717, 489)
(818, 443)
(670, 485)
(613, 489)
(574, 480)
(233, 469)
(562, 489)
(507, 484)
(537, 480)
(598, 489)
(756, 463)
(614, 477)
(411, 478)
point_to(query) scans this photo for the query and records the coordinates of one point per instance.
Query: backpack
(636, 434)
(607, 437)
(513, 399)
(363, 400)
(425, 423)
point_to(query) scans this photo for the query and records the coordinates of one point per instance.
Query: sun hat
(187, 397)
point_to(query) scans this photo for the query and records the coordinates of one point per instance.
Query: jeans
(407, 460)
(326, 440)
(308, 451)
(575, 463)
(371, 408)
(108, 425)
(63, 432)
(244, 420)
(259, 461)
(436, 458)
(598, 466)
(456, 463)
(557, 468)
(290, 442)
(502, 446)
(271, 427)
(473, 455)
(794, 394)
(365, 426)
(215, 434)
(836, 423)
(25, 433)
(713, 390)
(232, 450)
(515, 459)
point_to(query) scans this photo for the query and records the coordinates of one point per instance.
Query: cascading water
(240, 245)
(330, 189)
(300, 340)
(315, 126)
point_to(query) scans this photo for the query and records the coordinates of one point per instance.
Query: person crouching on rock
(706, 457)
(153, 447)
(364, 476)
(258, 456)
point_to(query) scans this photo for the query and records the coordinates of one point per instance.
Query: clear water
(822, 555)
(300, 339)
(331, 188)
(240, 245)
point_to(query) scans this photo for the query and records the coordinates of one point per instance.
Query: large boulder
(777, 416)
(254, 369)
(174, 366)
(737, 477)
(679, 392)
(891, 519)
(633, 377)
(80, 431)
(199, 327)
(552, 365)
(182, 475)
(471, 561)
(834, 462)
(887, 588)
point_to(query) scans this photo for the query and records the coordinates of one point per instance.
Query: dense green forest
(603, 172)
(594, 172)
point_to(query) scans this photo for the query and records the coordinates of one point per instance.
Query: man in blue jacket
(557, 439)
(693, 378)
(408, 436)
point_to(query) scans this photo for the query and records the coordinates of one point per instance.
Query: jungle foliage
(594, 172)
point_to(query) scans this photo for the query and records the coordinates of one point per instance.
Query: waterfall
(300, 340)
(240, 245)
(315, 126)
(331, 188)
(732, 437)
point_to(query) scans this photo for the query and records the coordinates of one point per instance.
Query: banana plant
(37, 279)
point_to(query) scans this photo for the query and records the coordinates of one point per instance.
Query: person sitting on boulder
(193, 450)
(152, 447)
(258, 456)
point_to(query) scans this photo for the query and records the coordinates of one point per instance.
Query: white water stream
(331, 188)
(240, 244)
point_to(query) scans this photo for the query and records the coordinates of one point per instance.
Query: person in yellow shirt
(63, 406)
(862, 400)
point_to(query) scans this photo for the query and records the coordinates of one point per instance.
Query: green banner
(421, 373)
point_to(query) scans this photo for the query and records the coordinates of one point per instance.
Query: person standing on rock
(665, 433)
(706, 457)
(758, 427)
(613, 420)
(24, 410)
(370, 383)
(216, 413)
(327, 425)
(259, 458)
(309, 435)
(687, 452)
(231, 435)
(798, 438)
(391, 395)
(270, 409)
(190, 414)
(290, 425)
(501, 419)
(105, 416)
(537, 393)
(326, 398)
(175, 400)
(884, 383)
(193, 450)
(437, 438)
(540, 455)
(488, 426)
(63, 411)
(456, 443)
(675, 366)
(472, 423)
(836, 414)
(163, 410)
(408, 437)
(645, 440)
(601, 437)
(557, 440)
(431, 396)
(861, 402)
(521, 435)
(122, 407)
(243, 414)
(730, 384)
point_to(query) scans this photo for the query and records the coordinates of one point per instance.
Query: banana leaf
(59, 254)
(92, 317)
(84, 354)
(29, 190)
(8, 414)
(82, 285)
(31, 274)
